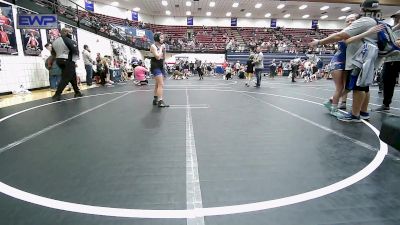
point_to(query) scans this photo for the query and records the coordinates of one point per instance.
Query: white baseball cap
(396, 14)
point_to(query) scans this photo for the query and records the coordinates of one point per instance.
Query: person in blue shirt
(339, 74)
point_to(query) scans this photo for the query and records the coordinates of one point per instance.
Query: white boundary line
(200, 212)
(198, 86)
(65, 100)
(193, 191)
(354, 141)
(29, 137)
(190, 84)
(308, 85)
(312, 96)
(190, 107)
(298, 84)
(332, 90)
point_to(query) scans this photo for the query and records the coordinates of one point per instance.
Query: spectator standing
(66, 52)
(258, 65)
(390, 71)
(88, 61)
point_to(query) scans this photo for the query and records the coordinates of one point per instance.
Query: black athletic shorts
(351, 82)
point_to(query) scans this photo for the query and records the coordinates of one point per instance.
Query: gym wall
(29, 71)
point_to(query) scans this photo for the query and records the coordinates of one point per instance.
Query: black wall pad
(390, 132)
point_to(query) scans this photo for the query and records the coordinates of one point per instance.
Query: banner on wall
(135, 16)
(314, 24)
(31, 38)
(89, 5)
(233, 22)
(119, 53)
(273, 22)
(36, 21)
(8, 40)
(140, 33)
(190, 21)
(53, 34)
(122, 53)
(31, 41)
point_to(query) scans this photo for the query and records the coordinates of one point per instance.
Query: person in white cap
(391, 69)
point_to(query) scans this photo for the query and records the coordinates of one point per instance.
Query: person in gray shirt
(66, 51)
(369, 10)
(258, 65)
(391, 69)
(88, 61)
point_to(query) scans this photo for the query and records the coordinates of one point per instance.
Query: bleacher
(170, 31)
(207, 39)
(301, 37)
(328, 32)
(210, 38)
(258, 32)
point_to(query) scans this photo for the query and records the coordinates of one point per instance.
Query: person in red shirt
(140, 74)
(3, 36)
(32, 42)
(225, 64)
(4, 19)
